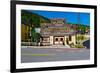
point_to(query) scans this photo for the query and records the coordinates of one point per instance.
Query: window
(69, 38)
(56, 39)
(61, 39)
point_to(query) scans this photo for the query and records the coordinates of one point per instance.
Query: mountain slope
(32, 19)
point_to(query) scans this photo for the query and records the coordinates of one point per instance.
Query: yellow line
(38, 54)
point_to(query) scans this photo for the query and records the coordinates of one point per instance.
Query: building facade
(25, 33)
(58, 33)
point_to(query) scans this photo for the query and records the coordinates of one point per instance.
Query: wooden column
(51, 40)
(65, 40)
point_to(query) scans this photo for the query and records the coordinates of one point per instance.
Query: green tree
(32, 19)
(35, 36)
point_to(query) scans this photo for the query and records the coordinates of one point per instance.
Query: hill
(32, 19)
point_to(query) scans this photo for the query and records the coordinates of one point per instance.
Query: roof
(48, 29)
(57, 34)
(57, 30)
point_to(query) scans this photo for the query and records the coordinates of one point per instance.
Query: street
(29, 55)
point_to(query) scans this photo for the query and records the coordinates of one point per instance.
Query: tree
(30, 18)
(35, 36)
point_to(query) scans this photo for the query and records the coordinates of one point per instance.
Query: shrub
(79, 46)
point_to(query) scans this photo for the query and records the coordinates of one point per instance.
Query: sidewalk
(53, 47)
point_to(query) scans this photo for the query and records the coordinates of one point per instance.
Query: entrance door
(59, 41)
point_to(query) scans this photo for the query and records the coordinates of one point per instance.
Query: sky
(70, 17)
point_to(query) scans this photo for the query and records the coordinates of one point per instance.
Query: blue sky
(71, 17)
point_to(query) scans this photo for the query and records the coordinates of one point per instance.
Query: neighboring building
(25, 33)
(58, 33)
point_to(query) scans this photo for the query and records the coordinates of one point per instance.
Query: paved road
(50, 54)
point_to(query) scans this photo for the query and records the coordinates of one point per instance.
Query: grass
(77, 46)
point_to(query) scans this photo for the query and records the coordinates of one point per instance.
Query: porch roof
(57, 34)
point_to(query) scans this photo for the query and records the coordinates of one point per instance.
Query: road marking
(28, 54)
